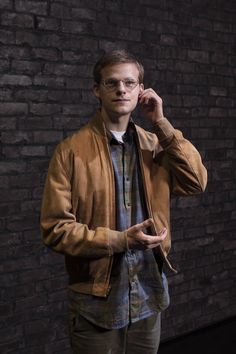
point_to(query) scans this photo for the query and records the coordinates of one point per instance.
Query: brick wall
(47, 51)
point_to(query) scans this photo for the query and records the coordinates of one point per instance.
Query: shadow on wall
(217, 339)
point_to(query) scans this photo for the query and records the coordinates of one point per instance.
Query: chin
(123, 113)
(124, 110)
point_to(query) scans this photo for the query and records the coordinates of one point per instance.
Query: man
(106, 207)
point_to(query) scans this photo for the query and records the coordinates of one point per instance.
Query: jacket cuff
(163, 129)
(117, 241)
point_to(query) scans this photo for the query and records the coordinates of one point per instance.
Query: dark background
(47, 52)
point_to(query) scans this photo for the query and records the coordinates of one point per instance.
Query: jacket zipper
(112, 218)
(153, 229)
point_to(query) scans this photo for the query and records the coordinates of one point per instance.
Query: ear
(96, 90)
(141, 88)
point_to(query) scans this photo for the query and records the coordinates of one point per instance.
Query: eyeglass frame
(117, 82)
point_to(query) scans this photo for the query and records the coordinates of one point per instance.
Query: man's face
(122, 99)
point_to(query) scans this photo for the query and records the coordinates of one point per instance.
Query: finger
(163, 232)
(155, 239)
(150, 243)
(147, 223)
(148, 90)
(139, 227)
(146, 93)
(150, 95)
(149, 101)
(144, 98)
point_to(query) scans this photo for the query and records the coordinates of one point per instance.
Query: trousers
(142, 337)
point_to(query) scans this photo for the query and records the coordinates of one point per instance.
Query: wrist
(158, 119)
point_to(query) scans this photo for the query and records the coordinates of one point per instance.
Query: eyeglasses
(112, 84)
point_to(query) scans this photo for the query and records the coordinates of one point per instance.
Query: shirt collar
(127, 137)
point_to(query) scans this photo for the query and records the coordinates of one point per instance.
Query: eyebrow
(126, 78)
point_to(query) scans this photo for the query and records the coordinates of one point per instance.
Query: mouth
(122, 100)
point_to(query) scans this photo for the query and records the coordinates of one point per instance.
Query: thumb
(146, 223)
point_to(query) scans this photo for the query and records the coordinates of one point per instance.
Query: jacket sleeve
(59, 227)
(188, 174)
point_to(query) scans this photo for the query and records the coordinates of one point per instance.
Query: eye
(130, 83)
(110, 83)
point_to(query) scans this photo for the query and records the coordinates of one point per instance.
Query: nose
(121, 87)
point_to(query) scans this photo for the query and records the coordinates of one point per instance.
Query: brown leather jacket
(78, 208)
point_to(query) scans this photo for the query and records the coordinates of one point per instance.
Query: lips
(120, 100)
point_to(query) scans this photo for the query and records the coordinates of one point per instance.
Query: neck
(116, 123)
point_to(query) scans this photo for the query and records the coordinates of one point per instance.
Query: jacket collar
(98, 125)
